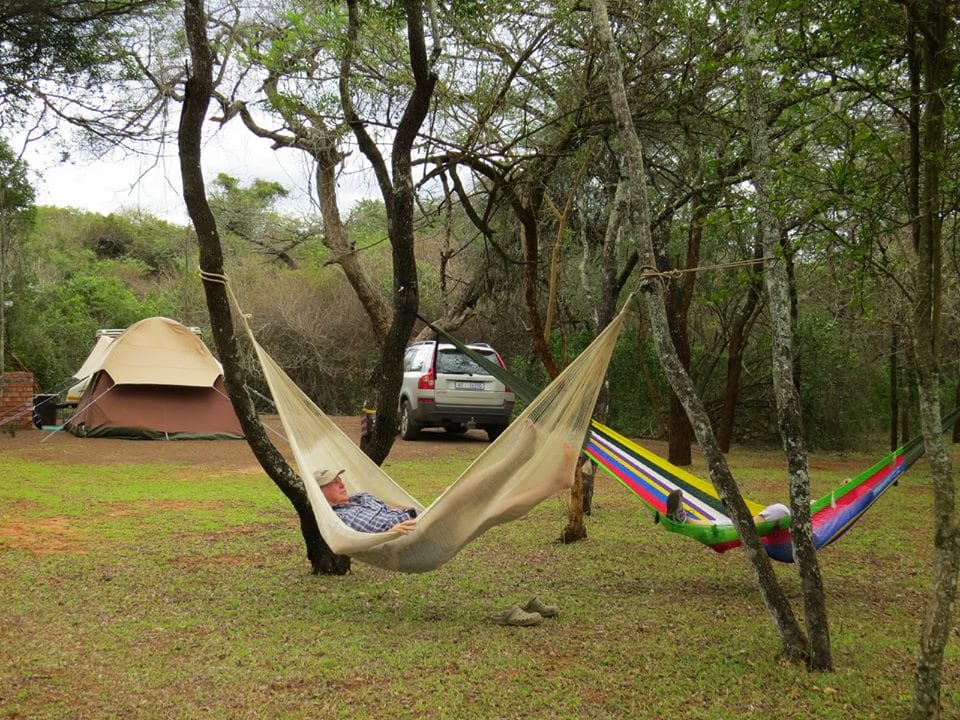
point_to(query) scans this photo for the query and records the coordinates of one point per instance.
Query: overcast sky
(114, 184)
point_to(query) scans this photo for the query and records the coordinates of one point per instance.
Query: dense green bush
(53, 329)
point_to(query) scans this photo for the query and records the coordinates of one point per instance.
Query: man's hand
(406, 527)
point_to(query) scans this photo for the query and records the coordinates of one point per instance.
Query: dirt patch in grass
(41, 536)
(55, 535)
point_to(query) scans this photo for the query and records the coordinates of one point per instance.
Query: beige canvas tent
(90, 365)
(157, 380)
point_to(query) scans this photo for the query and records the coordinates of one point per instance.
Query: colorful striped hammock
(652, 478)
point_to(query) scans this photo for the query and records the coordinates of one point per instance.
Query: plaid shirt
(368, 513)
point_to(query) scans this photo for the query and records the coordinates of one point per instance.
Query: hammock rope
(532, 460)
(648, 272)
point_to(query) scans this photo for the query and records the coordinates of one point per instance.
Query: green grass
(149, 591)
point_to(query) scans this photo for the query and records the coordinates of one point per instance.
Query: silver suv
(442, 387)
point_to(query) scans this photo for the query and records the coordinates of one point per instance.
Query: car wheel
(494, 431)
(409, 430)
(455, 429)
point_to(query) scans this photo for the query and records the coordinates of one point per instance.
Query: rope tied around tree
(648, 272)
(220, 278)
(224, 279)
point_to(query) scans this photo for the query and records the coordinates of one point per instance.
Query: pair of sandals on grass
(532, 613)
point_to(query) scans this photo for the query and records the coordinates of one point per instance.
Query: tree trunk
(788, 253)
(312, 135)
(605, 306)
(678, 298)
(906, 406)
(680, 434)
(787, 397)
(793, 642)
(3, 277)
(894, 387)
(738, 341)
(344, 251)
(575, 529)
(581, 494)
(931, 22)
(529, 239)
(956, 426)
(398, 192)
(199, 87)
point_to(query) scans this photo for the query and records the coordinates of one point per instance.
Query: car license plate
(465, 385)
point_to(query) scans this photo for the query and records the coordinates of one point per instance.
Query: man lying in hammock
(677, 513)
(363, 511)
(499, 492)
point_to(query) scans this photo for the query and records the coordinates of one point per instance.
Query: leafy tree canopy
(56, 41)
(249, 213)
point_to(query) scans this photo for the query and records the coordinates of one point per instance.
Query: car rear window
(454, 362)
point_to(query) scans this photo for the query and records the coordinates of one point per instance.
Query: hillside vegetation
(77, 272)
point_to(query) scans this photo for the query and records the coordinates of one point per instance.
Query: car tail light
(427, 382)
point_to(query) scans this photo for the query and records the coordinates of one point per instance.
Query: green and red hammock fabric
(651, 478)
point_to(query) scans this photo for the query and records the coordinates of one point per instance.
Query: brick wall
(16, 400)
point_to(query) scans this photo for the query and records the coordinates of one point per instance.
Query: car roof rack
(434, 342)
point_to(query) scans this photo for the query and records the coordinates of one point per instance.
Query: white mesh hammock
(532, 460)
